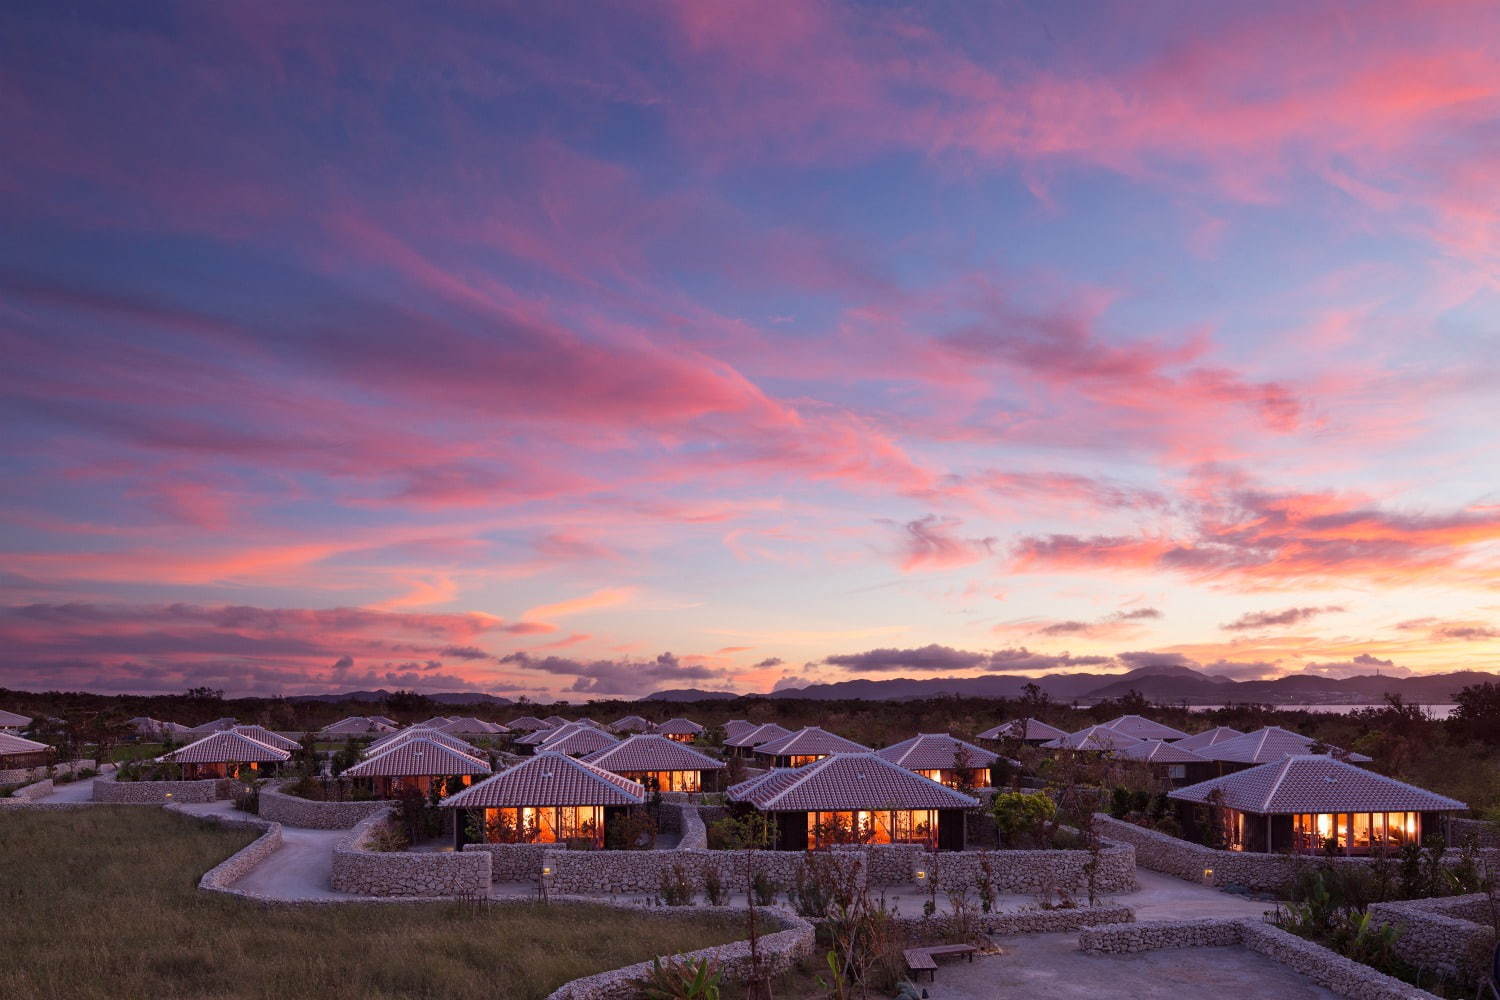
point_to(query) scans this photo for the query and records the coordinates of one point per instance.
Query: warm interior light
(921, 875)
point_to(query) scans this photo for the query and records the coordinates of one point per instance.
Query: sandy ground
(1050, 967)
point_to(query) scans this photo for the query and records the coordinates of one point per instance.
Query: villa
(855, 798)
(526, 724)
(436, 735)
(1095, 739)
(208, 728)
(548, 799)
(944, 758)
(806, 746)
(738, 727)
(225, 754)
(743, 744)
(436, 722)
(267, 737)
(679, 729)
(580, 740)
(416, 763)
(17, 751)
(355, 725)
(1312, 802)
(630, 724)
(1143, 728)
(1031, 731)
(1208, 738)
(1170, 761)
(13, 722)
(657, 762)
(1267, 745)
(556, 720)
(148, 728)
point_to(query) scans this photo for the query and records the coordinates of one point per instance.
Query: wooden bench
(920, 960)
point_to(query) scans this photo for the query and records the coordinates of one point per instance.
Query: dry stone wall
(1037, 871)
(295, 811)
(107, 789)
(778, 951)
(223, 876)
(1155, 935)
(1485, 833)
(585, 872)
(514, 862)
(22, 775)
(371, 873)
(1451, 934)
(1032, 920)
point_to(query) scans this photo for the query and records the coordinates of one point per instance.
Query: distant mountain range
(444, 698)
(1167, 684)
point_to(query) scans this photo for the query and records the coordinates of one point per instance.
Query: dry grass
(102, 902)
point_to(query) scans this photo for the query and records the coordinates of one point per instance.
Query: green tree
(1022, 816)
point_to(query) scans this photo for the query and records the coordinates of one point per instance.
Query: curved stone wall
(107, 789)
(779, 951)
(292, 810)
(1450, 934)
(370, 873)
(222, 876)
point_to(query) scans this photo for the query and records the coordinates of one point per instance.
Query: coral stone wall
(368, 873)
(514, 862)
(1154, 935)
(1029, 921)
(107, 789)
(1452, 934)
(222, 876)
(20, 775)
(1485, 833)
(33, 791)
(1036, 871)
(585, 872)
(779, 951)
(690, 825)
(292, 810)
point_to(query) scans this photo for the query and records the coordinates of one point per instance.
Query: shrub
(713, 886)
(736, 834)
(683, 979)
(676, 888)
(65, 778)
(1022, 817)
(387, 838)
(633, 831)
(764, 888)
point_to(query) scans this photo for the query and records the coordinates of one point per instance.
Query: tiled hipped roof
(1209, 737)
(550, 779)
(935, 751)
(417, 756)
(355, 725)
(652, 753)
(810, 741)
(1022, 729)
(847, 781)
(227, 747)
(582, 740)
(19, 744)
(267, 737)
(470, 726)
(1097, 738)
(1160, 752)
(423, 732)
(678, 727)
(758, 735)
(630, 724)
(525, 724)
(738, 727)
(1144, 729)
(1315, 784)
(10, 720)
(1269, 744)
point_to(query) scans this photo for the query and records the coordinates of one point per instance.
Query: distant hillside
(689, 694)
(1160, 684)
(444, 698)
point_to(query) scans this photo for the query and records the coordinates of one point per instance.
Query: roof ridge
(808, 771)
(1286, 766)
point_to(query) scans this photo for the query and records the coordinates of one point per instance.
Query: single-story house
(1267, 745)
(354, 725)
(224, 754)
(659, 763)
(1209, 737)
(1308, 802)
(526, 724)
(579, 740)
(208, 728)
(805, 746)
(416, 763)
(944, 758)
(541, 737)
(267, 737)
(436, 722)
(738, 727)
(412, 732)
(13, 721)
(18, 751)
(386, 719)
(1143, 728)
(470, 726)
(550, 798)
(1033, 732)
(855, 798)
(147, 728)
(1095, 739)
(556, 720)
(679, 729)
(630, 724)
(743, 744)
(1170, 761)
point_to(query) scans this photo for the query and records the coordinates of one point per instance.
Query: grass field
(102, 902)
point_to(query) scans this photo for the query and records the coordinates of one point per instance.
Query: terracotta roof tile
(1096, 738)
(470, 726)
(630, 724)
(267, 737)
(737, 727)
(417, 756)
(847, 781)
(935, 751)
(649, 752)
(550, 779)
(422, 732)
(355, 725)
(525, 724)
(1160, 752)
(10, 720)
(10, 744)
(760, 734)
(678, 727)
(582, 740)
(1144, 729)
(1315, 783)
(809, 741)
(1031, 729)
(227, 747)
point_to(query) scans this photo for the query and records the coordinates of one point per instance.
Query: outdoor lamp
(921, 875)
(1208, 875)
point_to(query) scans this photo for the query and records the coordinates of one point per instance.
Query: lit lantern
(1208, 876)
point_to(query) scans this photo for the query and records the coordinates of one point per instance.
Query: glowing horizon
(595, 349)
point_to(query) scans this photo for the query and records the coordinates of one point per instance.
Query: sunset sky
(594, 348)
